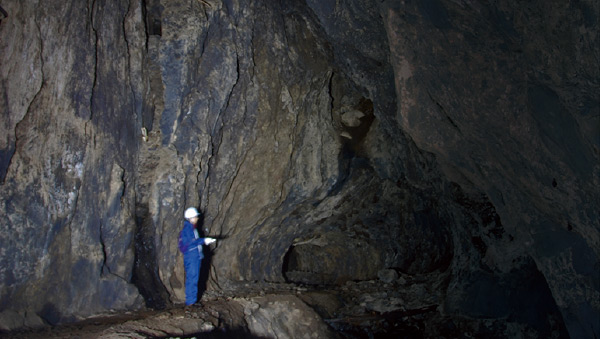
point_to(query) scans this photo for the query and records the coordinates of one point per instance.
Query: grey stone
(11, 320)
(387, 275)
(283, 316)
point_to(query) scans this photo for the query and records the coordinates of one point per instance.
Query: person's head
(192, 215)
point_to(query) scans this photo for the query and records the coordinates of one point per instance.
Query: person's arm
(189, 240)
(202, 241)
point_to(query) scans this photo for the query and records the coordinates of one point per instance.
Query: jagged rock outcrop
(326, 143)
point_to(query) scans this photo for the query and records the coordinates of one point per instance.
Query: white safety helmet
(191, 212)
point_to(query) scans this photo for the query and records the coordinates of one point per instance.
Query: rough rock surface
(506, 97)
(268, 316)
(453, 143)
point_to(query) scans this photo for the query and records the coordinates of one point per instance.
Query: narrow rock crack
(92, 11)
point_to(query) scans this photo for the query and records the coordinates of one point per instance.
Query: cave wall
(506, 98)
(70, 125)
(325, 141)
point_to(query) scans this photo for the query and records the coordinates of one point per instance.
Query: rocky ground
(392, 306)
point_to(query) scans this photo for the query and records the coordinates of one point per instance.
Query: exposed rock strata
(327, 143)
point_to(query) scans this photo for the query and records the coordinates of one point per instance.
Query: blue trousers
(191, 263)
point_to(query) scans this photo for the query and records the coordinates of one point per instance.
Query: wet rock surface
(391, 167)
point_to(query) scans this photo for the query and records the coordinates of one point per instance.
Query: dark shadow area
(5, 158)
(152, 14)
(145, 268)
(205, 263)
(409, 323)
(50, 314)
(520, 296)
(290, 263)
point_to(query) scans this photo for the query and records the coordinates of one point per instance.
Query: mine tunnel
(367, 169)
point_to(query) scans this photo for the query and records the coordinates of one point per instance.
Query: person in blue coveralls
(190, 244)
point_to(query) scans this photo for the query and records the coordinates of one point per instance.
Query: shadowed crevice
(145, 269)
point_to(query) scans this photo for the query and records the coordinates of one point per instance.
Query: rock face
(326, 143)
(488, 92)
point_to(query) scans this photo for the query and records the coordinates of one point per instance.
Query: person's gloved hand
(209, 241)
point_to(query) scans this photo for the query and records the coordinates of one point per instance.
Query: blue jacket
(188, 241)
